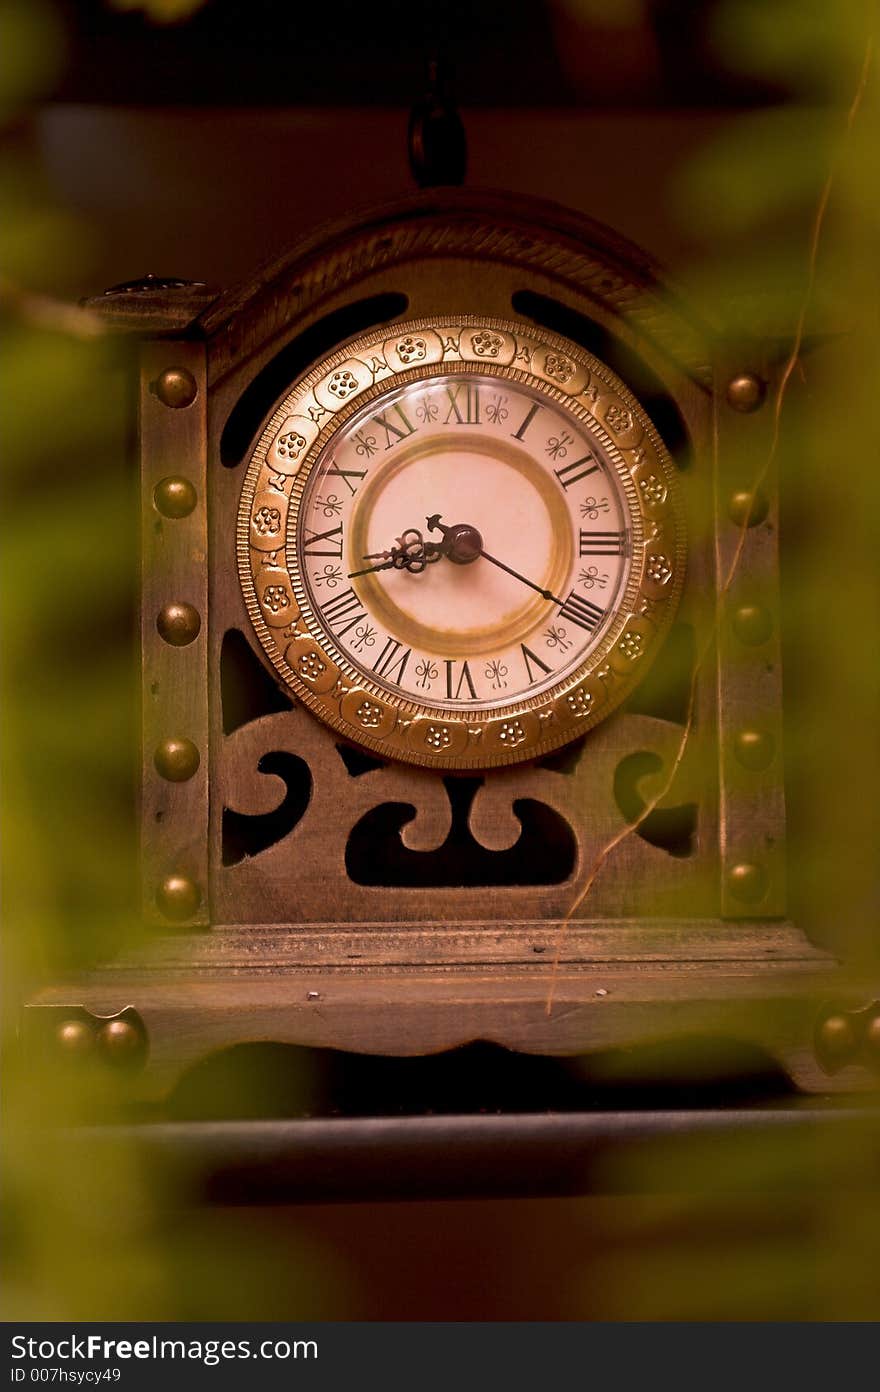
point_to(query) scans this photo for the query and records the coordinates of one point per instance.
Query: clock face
(460, 544)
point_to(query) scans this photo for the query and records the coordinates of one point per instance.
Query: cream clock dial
(460, 544)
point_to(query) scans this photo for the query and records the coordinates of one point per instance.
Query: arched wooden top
(569, 249)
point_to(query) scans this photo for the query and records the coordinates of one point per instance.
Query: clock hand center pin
(464, 544)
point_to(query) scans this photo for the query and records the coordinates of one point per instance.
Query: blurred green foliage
(68, 722)
(804, 44)
(31, 53)
(104, 1240)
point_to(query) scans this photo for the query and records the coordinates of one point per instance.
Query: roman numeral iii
(601, 543)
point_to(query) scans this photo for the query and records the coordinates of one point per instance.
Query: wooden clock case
(299, 892)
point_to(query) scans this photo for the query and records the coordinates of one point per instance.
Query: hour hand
(411, 553)
(368, 570)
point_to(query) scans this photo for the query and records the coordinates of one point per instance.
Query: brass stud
(753, 749)
(746, 392)
(75, 1037)
(176, 387)
(836, 1040)
(175, 496)
(179, 897)
(748, 509)
(747, 882)
(176, 759)
(871, 1040)
(752, 624)
(178, 624)
(121, 1041)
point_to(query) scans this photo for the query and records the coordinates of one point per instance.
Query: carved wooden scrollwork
(305, 875)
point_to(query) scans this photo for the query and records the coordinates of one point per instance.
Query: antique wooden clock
(437, 515)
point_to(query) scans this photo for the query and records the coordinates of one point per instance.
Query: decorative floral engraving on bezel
(304, 653)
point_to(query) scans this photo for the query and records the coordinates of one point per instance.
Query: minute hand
(545, 594)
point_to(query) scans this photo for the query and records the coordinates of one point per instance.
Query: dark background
(200, 148)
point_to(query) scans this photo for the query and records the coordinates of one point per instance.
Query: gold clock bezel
(305, 655)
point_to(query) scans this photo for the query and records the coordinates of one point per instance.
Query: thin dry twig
(760, 478)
